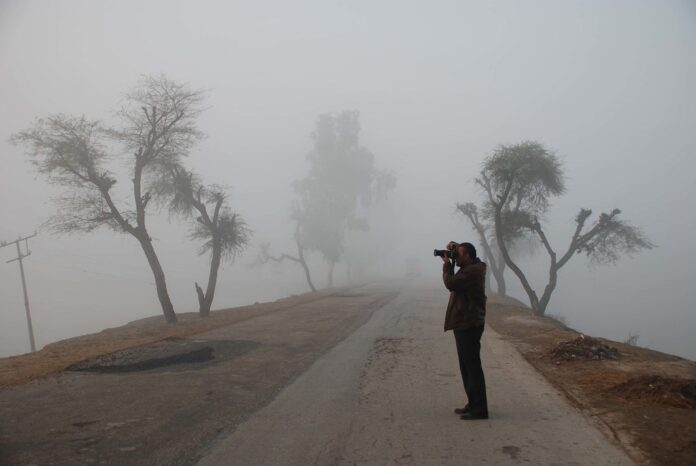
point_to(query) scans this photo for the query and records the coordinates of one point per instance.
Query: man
(466, 314)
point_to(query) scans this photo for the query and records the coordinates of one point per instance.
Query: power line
(19, 258)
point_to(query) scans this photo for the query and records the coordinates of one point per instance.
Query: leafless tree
(158, 128)
(266, 256)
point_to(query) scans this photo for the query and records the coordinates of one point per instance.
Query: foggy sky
(608, 85)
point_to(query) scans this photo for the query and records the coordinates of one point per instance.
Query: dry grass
(680, 393)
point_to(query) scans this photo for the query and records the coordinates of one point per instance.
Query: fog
(609, 86)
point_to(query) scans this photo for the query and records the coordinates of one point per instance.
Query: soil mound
(583, 348)
(680, 393)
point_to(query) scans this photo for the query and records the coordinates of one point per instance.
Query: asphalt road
(385, 395)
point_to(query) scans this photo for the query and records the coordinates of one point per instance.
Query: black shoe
(471, 416)
(463, 410)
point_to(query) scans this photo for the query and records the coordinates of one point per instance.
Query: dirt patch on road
(643, 398)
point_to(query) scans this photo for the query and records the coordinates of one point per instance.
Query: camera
(445, 253)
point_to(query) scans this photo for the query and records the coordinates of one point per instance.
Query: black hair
(470, 249)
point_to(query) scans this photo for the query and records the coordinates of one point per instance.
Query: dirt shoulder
(644, 398)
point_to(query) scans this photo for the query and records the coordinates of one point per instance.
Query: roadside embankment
(643, 398)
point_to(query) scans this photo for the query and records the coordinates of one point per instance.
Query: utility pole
(19, 258)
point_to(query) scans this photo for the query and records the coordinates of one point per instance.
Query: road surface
(364, 376)
(385, 395)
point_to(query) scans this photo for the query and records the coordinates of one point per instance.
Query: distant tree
(223, 232)
(158, 128)
(342, 178)
(632, 339)
(518, 182)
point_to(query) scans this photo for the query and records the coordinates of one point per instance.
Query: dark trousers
(469, 352)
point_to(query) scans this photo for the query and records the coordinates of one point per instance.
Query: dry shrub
(680, 393)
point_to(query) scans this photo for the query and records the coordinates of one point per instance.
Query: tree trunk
(488, 278)
(160, 282)
(533, 299)
(548, 290)
(553, 272)
(140, 232)
(303, 262)
(544, 301)
(332, 265)
(207, 301)
(502, 286)
(307, 276)
(496, 266)
(500, 281)
(531, 294)
(201, 295)
(499, 273)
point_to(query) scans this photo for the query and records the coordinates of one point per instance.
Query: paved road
(385, 394)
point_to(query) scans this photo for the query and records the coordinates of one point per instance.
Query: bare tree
(265, 256)
(158, 129)
(265, 253)
(223, 232)
(519, 181)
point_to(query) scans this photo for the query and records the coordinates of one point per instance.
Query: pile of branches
(583, 348)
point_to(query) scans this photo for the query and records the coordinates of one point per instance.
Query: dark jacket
(467, 303)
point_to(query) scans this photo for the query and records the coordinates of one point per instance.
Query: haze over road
(385, 396)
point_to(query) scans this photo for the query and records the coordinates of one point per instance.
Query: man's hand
(450, 247)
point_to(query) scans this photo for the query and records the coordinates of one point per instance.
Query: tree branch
(580, 220)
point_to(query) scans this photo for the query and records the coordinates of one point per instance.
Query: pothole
(172, 354)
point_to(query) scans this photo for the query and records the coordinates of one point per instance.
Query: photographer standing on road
(466, 314)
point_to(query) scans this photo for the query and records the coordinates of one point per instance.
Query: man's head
(466, 254)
